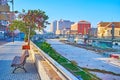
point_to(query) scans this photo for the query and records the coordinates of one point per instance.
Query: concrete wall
(39, 56)
(37, 60)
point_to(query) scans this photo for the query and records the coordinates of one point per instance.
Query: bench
(19, 61)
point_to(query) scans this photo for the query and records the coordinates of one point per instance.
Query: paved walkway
(7, 53)
(2, 42)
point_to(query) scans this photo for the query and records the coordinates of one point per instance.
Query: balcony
(4, 17)
(4, 8)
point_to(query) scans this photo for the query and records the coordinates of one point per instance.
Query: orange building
(82, 27)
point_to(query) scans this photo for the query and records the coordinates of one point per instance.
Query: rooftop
(104, 24)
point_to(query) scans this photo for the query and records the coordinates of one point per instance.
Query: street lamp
(12, 1)
(112, 32)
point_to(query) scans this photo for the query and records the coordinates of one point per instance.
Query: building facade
(61, 26)
(3, 17)
(105, 29)
(81, 27)
(53, 27)
(93, 32)
(4, 8)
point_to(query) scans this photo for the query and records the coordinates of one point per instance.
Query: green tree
(30, 21)
(16, 25)
(35, 19)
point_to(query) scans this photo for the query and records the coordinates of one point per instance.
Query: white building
(53, 27)
(59, 27)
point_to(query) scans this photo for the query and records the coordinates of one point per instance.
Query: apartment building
(53, 27)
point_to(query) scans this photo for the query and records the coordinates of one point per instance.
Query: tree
(30, 21)
(16, 25)
(35, 18)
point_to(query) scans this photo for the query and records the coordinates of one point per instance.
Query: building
(63, 26)
(81, 27)
(93, 32)
(105, 29)
(53, 27)
(6, 17)
(4, 8)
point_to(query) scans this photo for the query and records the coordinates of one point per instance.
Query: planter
(24, 47)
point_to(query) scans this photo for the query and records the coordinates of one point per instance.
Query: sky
(93, 11)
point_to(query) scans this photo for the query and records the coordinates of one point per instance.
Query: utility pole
(12, 1)
(112, 32)
(113, 26)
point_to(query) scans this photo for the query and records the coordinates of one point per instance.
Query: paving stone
(7, 53)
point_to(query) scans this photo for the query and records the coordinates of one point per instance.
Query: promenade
(7, 53)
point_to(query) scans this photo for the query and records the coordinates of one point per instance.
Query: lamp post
(112, 32)
(13, 18)
(12, 1)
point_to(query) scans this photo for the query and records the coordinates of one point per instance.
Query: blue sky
(93, 11)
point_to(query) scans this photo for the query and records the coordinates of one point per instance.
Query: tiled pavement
(7, 53)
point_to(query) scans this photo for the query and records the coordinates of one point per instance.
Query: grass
(62, 60)
(71, 67)
(83, 75)
(101, 71)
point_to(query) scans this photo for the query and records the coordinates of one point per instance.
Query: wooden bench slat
(16, 61)
(19, 61)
